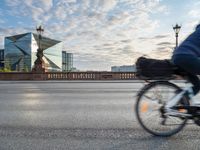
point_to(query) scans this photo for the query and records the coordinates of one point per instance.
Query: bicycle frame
(176, 99)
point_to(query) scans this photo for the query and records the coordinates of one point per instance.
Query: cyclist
(187, 57)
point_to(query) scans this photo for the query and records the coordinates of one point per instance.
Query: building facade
(20, 52)
(67, 61)
(1, 58)
(124, 68)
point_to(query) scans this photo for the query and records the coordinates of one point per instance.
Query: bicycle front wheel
(150, 109)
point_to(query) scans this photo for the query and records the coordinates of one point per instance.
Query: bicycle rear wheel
(150, 109)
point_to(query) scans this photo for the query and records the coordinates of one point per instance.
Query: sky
(103, 33)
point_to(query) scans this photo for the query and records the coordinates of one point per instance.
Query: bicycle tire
(153, 129)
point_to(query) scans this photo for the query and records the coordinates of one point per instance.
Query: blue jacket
(191, 45)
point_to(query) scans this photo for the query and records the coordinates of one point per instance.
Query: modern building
(1, 58)
(20, 52)
(124, 68)
(67, 61)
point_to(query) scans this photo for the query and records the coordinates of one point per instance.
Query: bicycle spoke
(148, 97)
(150, 112)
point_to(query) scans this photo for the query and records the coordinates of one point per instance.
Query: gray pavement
(78, 115)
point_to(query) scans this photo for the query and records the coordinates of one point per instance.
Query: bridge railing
(90, 75)
(67, 76)
(16, 76)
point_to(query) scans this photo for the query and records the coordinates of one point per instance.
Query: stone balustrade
(67, 76)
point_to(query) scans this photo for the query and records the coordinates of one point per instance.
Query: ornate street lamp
(39, 63)
(176, 28)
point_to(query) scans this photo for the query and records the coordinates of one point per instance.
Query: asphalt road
(78, 115)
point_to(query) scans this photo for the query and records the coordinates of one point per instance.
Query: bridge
(67, 76)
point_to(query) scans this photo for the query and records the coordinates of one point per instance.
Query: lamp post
(39, 63)
(176, 30)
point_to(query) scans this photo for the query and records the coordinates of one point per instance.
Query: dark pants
(190, 64)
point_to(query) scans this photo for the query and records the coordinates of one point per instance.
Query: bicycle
(163, 109)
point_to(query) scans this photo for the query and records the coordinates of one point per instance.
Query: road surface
(78, 115)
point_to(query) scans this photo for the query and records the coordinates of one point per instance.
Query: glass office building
(20, 52)
(1, 58)
(67, 61)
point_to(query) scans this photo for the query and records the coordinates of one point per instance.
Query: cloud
(12, 2)
(194, 13)
(161, 36)
(2, 21)
(165, 43)
(115, 31)
(192, 16)
(126, 41)
(162, 53)
(44, 4)
(156, 37)
(107, 5)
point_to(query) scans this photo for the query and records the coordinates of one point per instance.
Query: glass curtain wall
(20, 52)
(52, 53)
(1, 58)
(67, 59)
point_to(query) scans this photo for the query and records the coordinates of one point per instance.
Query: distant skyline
(103, 33)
